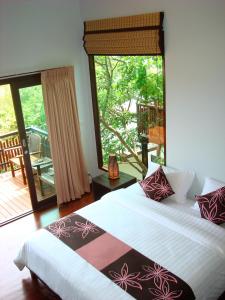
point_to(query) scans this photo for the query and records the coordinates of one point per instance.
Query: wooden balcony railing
(10, 146)
(150, 124)
(149, 116)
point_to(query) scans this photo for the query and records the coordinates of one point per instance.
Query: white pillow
(180, 181)
(152, 167)
(210, 185)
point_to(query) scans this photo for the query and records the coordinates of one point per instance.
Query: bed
(171, 234)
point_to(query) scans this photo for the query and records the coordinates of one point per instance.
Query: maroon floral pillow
(156, 186)
(212, 206)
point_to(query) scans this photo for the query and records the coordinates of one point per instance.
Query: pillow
(152, 167)
(212, 206)
(179, 180)
(156, 186)
(210, 185)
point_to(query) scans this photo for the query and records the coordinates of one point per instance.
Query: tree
(7, 114)
(32, 107)
(123, 82)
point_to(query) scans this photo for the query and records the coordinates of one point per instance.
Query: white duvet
(190, 247)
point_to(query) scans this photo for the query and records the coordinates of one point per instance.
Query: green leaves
(32, 106)
(7, 115)
(122, 82)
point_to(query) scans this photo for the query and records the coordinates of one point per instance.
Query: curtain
(71, 177)
(132, 35)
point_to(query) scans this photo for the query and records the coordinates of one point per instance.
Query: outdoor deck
(14, 197)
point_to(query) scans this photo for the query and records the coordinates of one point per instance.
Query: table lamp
(113, 168)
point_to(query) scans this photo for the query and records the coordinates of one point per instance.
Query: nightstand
(102, 184)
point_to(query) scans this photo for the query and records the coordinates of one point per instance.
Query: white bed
(171, 234)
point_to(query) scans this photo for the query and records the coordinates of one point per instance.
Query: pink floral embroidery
(85, 228)
(161, 190)
(157, 186)
(212, 206)
(158, 274)
(155, 280)
(223, 215)
(124, 279)
(218, 195)
(145, 184)
(157, 174)
(165, 294)
(212, 198)
(211, 214)
(59, 228)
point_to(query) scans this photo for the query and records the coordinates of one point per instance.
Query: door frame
(17, 83)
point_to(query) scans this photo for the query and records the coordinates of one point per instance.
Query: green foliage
(7, 115)
(123, 82)
(32, 107)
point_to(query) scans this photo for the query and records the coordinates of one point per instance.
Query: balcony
(14, 193)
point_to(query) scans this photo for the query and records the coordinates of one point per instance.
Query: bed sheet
(187, 206)
(188, 246)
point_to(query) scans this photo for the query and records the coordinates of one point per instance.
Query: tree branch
(119, 60)
(118, 135)
(131, 163)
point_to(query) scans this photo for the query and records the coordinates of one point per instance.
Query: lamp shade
(113, 168)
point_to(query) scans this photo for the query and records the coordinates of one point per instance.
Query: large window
(126, 67)
(129, 109)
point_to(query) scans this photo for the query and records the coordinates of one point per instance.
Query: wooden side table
(102, 184)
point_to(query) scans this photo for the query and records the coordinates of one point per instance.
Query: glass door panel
(14, 193)
(37, 140)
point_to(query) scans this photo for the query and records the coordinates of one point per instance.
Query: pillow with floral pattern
(212, 206)
(156, 186)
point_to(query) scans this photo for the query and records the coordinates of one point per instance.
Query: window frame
(96, 110)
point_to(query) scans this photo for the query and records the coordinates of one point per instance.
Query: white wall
(40, 34)
(195, 77)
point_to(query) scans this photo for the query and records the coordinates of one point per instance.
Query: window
(127, 80)
(129, 107)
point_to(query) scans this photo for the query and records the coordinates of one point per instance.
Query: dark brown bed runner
(139, 276)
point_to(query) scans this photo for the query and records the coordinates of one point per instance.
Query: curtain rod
(29, 73)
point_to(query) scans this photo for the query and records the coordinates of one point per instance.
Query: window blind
(132, 35)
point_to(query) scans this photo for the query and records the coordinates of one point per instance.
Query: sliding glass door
(34, 162)
(37, 141)
(14, 194)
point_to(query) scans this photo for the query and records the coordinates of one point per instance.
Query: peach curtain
(71, 177)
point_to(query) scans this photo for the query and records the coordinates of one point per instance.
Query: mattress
(173, 236)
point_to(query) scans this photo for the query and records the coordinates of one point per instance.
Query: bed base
(222, 297)
(34, 277)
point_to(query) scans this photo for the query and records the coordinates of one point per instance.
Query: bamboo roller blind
(140, 34)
